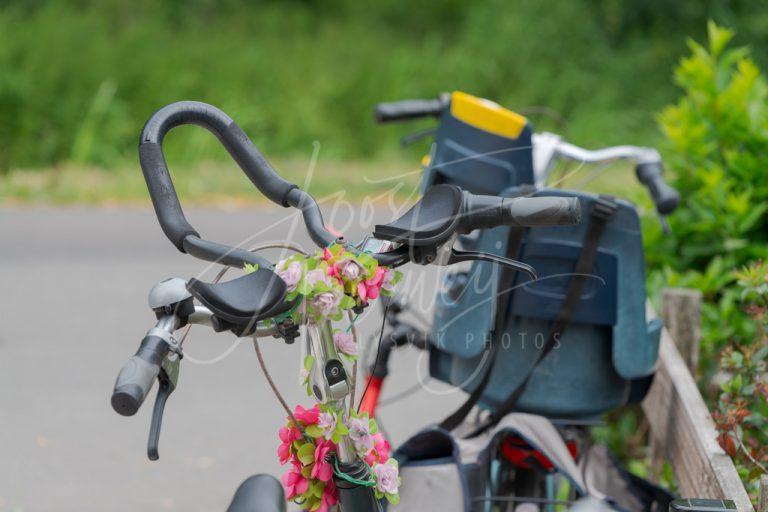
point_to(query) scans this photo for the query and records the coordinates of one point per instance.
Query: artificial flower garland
(309, 445)
(324, 285)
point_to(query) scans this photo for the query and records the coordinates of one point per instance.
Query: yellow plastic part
(486, 115)
(425, 161)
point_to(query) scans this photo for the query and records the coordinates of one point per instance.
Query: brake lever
(167, 380)
(519, 266)
(412, 138)
(664, 224)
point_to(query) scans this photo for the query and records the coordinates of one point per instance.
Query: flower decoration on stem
(310, 443)
(333, 280)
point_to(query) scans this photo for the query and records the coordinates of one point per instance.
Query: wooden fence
(682, 430)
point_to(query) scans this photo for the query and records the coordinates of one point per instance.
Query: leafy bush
(742, 412)
(718, 137)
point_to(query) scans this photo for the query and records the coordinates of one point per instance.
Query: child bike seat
(249, 298)
(431, 221)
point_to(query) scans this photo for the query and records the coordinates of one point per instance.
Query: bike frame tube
(351, 497)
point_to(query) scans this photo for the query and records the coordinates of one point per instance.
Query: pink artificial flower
(290, 274)
(369, 289)
(349, 269)
(327, 303)
(327, 255)
(381, 447)
(294, 483)
(360, 433)
(307, 416)
(329, 498)
(386, 283)
(322, 469)
(328, 423)
(316, 276)
(287, 437)
(380, 451)
(345, 342)
(386, 477)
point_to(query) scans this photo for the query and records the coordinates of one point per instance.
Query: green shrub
(742, 409)
(718, 143)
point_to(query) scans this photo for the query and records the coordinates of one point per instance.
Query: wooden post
(762, 503)
(681, 313)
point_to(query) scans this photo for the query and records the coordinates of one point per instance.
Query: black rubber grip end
(127, 399)
(663, 195)
(407, 109)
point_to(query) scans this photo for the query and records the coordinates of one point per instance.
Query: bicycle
(255, 305)
(485, 148)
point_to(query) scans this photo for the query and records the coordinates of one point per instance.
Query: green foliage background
(78, 78)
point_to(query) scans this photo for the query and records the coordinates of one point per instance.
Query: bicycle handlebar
(249, 159)
(663, 195)
(485, 212)
(138, 374)
(409, 109)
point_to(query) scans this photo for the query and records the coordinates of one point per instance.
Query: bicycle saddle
(241, 301)
(259, 493)
(431, 221)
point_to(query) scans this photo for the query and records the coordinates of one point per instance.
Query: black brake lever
(664, 224)
(167, 379)
(459, 256)
(412, 138)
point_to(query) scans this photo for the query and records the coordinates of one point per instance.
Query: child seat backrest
(605, 348)
(480, 146)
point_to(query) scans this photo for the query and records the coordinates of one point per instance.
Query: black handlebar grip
(137, 376)
(486, 212)
(664, 196)
(408, 109)
(541, 211)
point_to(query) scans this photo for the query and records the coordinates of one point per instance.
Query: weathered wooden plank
(762, 503)
(681, 313)
(682, 426)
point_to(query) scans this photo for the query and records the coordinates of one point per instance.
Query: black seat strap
(504, 294)
(601, 213)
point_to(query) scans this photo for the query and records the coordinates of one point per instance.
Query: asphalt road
(74, 286)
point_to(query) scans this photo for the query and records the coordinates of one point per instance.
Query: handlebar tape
(407, 109)
(664, 196)
(137, 376)
(234, 140)
(485, 212)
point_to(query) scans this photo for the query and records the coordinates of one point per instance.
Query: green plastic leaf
(306, 453)
(314, 431)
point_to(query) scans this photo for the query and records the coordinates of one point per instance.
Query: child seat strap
(603, 209)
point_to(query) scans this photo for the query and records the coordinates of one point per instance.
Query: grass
(215, 184)
(210, 184)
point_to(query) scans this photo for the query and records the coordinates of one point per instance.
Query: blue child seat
(607, 354)
(607, 347)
